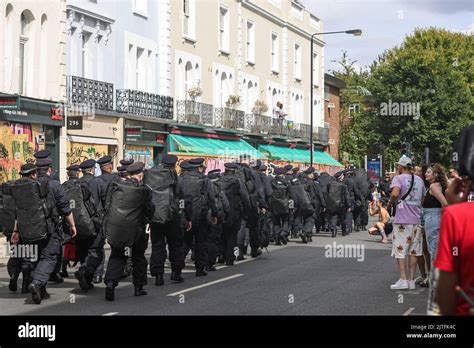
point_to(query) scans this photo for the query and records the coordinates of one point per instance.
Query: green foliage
(432, 67)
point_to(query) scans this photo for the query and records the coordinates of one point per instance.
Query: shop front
(145, 141)
(27, 125)
(280, 155)
(215, 148)
(93, 137)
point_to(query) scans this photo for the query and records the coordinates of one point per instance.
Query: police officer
(91, 250)
(323, 222)
(118, 255)
(50, 246)
(197, 186)
(72, 172)
(280, 206)
(354, 194)
(294, 222)
(46, 154)
(317, 200)
(259, 206)
(338, 201)
(240, 209)
(106, 167)
(170, 233)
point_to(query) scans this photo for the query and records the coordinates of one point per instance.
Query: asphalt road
(295, 279)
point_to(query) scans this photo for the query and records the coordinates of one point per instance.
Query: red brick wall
(331, 116)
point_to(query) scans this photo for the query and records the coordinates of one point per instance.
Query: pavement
(296, 279)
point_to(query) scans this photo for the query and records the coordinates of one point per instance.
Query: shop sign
(9, 102)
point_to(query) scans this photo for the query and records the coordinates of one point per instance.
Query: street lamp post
(355, 32)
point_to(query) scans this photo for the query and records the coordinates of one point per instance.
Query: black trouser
(199, 235)
(252, 225)
(48, 250)
(296, 222)
(229, 238)
(333, 217)
(280, 225)
(308, 224)
(214, 242)
(118, 259)
(91, 253)
(348, 218)
(170, 233)
(323, 221)
(365, 214)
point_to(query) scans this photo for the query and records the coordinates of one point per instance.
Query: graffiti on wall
(79, 152)
(18, 143)
(140, 154)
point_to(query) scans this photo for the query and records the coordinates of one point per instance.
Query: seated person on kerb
(383, 226)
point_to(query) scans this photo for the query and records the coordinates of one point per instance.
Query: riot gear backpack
(222, 203)
(7, 209)
(83, 207)
(34, 209)
(163, 183)
(301, 196)
(231, 187)
(324, 180)
(334, 198)
(195, 187)
(279, 201)
(361, 180)
(124, 218)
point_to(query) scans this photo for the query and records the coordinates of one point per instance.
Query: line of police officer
(219, 216)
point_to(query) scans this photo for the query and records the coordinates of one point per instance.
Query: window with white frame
(297, 61)
(223, 29)
(26, 19)
(275, 51)
(189, 19)
(140, 69)
(250, 42)
(85, 42)
(186, 17)
(315, 70)
(140, 7)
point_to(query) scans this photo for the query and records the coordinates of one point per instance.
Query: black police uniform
(91, 250)
(353, 194)
(240, 208)
(281, 222)
(198, 234)
(118, 256)
(339, 214)
(318, 202)
(50, 247)
(170, 233)
(257, 201)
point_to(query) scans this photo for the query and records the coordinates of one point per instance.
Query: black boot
(210, 268)
(55, 278)
(256, 253)
(97, 279)
(44, 294)
(110, 291)
(220, 259)
(304, 240)
(25, 282)
(35, 293)
(159, 281)
(139, 291)
(241, 254)
(229, 262)
(200, 272)
(13, 285)
(245, 249)
(176, 276)
(278, 240)
(84, 283)
(333, 234)
(64, 272)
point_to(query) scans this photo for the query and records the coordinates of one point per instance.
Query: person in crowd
(383, 226)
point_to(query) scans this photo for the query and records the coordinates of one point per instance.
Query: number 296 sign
(74, 122)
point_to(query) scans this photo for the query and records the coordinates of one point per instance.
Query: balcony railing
(229, 118)
(192, 112)
(144, 104)
(87, 91)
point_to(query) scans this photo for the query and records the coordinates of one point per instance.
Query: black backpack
(7, 209)
(334, 198)
(124, 218)
(34, 209)
(195, 187)
(279, 201)
(264, 231)
(163, 183)
(361, 180)
(230, 185)
(299, 192)
(83, 207)
(222, 203)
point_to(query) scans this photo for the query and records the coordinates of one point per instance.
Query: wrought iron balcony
(194, 112)
(87, 91)
(323, 134)
(144, 104)
(229, 118)
(257, 124)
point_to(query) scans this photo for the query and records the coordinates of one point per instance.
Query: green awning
(181, 144)
(297, 155)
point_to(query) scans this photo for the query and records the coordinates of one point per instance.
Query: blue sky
(384, 23)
